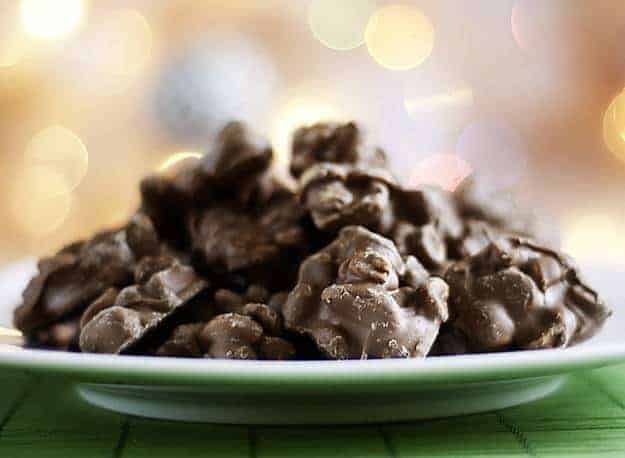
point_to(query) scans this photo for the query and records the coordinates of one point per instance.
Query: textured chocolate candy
(62, 335)
(138, 309)
(429, 205)
(236, 155)
(334, 143)
(340, 195)
(167, 201)
(427, 225)
(236, 169)
(357, 298)
(184, 341)
(235, 239)
(253, 333)
(229, 239)
(425, 242)
(69, 281)
(515, 294)
(375, 287)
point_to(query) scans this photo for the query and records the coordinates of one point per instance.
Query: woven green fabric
(45, 418)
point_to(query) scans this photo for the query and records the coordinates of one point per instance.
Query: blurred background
(524, 93)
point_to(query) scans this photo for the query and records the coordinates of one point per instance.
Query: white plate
(316, 391)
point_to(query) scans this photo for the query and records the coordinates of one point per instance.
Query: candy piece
(235, 169)
(183, 342)
(425, 242)
(234, 239)
(252, 334)
(353, 300)
(237, 154)
(429, 205)
(115, 328)
(139, 310)
(72, 279)
(516, 294)
(62, 335)
(332, 142)
(229, 239)
(340, 195)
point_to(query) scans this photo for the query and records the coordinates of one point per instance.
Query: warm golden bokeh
(125, 39)
(594, 236)
(341, 24)
(49, 19)
(455, 98)
(40, 200)
(62, 151)
(141, 81)
(614, 126)
(13, 42)
(399, 37)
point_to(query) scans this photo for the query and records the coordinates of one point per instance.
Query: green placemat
(45, 418)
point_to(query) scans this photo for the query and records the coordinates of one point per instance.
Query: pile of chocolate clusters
(229, 258)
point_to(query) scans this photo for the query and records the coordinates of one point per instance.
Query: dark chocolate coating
(69, 281)
(332, 142)
(234, 239)
(429, 205)
(357, 298)
(62, 335)
(138, 309)
(341, 195)
(184, 342)
(228, 239)
(253, 333)
(237, 154)
(516, 294)
(235, 169)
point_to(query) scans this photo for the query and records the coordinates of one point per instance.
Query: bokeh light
(539, 27)
(399, 37)
(614, 126)
(298, 112)
(109, 55)
(49, 19)
(428, 104)
(438, 99)
(341, 24)
(177, 160)
(124, 42)
(594, 237)
(12, 41)
(495, 151)
(59, 149)
(40, 200)
(444, 170)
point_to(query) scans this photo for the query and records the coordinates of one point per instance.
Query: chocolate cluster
(229, 256)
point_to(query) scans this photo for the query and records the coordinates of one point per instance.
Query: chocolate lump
(516, 294)
(357, 298)
(340, 195)
(69, 281)
(138, 309)
(334, 143)
(252, 332)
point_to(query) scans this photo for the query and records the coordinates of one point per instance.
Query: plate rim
(263, 376)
